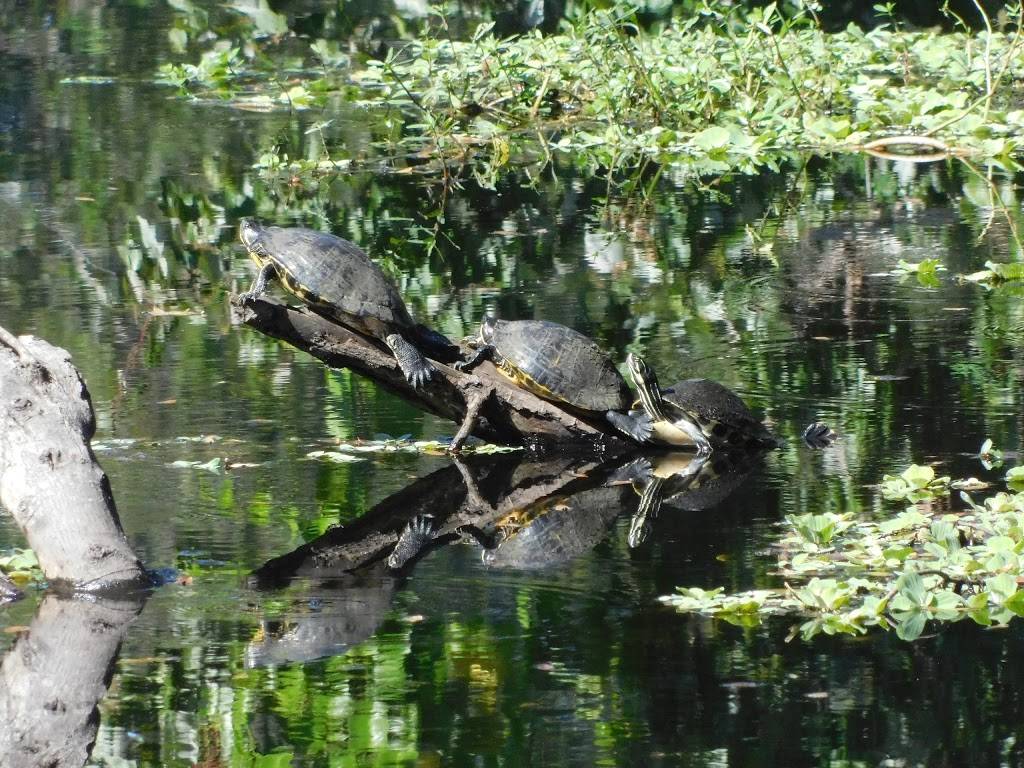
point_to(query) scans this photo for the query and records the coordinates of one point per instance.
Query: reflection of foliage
(21, 566)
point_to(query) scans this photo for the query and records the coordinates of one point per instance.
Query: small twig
(540, 94)
(785, 67)
(473, 497)
(998, 202)
(988, 56)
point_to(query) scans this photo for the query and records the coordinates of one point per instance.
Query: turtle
(696, 484)
(697, 413)
(562, 365)
(550, 532)
(339, 282)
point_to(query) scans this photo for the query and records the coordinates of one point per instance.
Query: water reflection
(54, 676)
(120, 207)
(524, 514)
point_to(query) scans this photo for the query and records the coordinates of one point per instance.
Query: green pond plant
(721, 89)
(930, 562)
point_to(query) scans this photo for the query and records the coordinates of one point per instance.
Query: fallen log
(50, 480)
(483, 403)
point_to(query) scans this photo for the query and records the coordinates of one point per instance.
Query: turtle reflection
(525, 515)
(553, 531)
(327, 620)
(685, 482)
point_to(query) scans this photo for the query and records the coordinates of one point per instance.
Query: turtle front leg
(636, 424)
(417, 533)
(700, 440)
(486, 352)
(259, 285)
(418, 371)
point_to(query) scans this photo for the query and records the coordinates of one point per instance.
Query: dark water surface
(119, 204)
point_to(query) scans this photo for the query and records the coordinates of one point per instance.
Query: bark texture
(499, 411)
(53, 678)
(50, 480)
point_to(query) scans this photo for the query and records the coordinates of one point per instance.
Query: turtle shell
(558, 363)
(557, 531)
(335, 277)
(723, 417)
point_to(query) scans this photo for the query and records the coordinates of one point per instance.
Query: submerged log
(50, 480)
(484, 403)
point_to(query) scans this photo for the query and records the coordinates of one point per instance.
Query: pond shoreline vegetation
(724, 90)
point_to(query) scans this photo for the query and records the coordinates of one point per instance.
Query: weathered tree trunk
(499, 411)
(50, 480)
(53, 678)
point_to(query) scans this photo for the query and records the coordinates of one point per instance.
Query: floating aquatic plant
(926, 563)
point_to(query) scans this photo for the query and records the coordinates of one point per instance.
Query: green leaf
(911, 586)
(713, 137)
(1015, 602)
(918, 476)
(910, 626)
(1002, 586)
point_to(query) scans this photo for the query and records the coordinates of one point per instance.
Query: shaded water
(119, 205)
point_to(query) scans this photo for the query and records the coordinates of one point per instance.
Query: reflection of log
(54, 676)
(346, 587)
(506, 413)
(50, 480)
(464, 495)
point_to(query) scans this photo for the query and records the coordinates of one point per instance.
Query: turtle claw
(819, 435)
(417, 533)
(418, 371)
(640, 470)
(419, 377)
(636, 424)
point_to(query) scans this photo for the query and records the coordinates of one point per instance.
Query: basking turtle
(562, 365)
(697, 413)
(339, 281)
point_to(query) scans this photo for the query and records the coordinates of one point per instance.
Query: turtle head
(646, 384)
(642, 374)
(487, 328)
(250, 232)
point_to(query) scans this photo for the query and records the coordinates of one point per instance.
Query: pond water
(120, 203)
